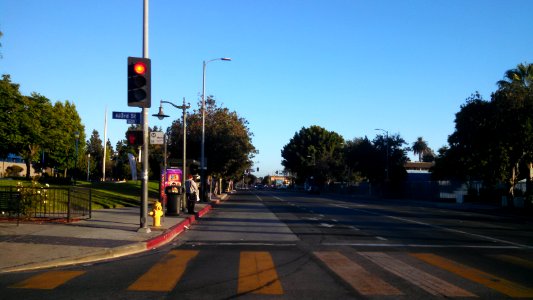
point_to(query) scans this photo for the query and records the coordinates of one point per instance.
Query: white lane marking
(381, 238)
(418, 245)
(461, 232)
(517, 245)
(326, 225)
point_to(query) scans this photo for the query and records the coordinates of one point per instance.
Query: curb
(120, 251)
(173, 231)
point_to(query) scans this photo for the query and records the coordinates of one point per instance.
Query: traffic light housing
(139, 82)
(134, 137)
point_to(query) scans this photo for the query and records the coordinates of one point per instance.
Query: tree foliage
(493, 140)
(314, 152)
(376, 160)
(31, 125)
(420, 148)
(228, 141)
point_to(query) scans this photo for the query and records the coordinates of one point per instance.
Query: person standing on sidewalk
(191, 189)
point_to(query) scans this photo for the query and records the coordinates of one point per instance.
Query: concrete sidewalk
(110, 233)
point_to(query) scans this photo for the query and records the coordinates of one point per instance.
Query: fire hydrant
(156, 213)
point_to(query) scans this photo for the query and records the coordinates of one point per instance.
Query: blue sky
(349, 66)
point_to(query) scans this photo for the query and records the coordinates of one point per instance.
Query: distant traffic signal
(139, 82)
(134, 137)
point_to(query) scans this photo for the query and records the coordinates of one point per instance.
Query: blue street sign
(131, 117)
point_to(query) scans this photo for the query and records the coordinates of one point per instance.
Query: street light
(88, 164)
(387, 153)
(77, 136)
(202, 149)
(161, 116)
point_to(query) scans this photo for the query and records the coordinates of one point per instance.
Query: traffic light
(139, 82)
(134, 137)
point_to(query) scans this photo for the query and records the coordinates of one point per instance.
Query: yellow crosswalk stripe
(164, 275)
(424, 280)
(496, 283)
(48, 280)
(257, 274)
(356, 276)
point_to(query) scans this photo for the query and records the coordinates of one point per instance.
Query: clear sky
(349, 66)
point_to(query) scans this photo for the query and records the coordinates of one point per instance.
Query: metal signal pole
(144, 176)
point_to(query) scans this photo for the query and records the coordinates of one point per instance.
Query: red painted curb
(173, 231)
(205, 210)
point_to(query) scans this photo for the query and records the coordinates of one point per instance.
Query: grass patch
(109, 194)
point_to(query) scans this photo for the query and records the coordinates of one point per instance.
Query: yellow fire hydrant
(156, 213)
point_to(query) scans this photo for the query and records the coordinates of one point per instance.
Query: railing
(65, 203)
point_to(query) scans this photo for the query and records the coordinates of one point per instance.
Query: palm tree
(517, 87)
(521, 77)
(420, 147)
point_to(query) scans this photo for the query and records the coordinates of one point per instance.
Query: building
(14, 160)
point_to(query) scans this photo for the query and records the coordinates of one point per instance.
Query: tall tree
(228, 141)
(362, 157)
(109, 159)
(493, 140)
(96, 149)
(379, 160)
(420, 147)
(10, 101)
(392, 148)
(64, 125)
(23, 122)
(34, 117)
(315, 152)
(514, 103)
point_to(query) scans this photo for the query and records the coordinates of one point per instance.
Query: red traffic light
(139, 68)
(139, 82)
(134, 137)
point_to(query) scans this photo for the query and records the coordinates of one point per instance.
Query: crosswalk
(368, 273)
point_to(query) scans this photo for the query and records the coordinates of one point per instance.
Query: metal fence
(66, 203)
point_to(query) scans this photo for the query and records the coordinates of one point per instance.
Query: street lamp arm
(168, 102)
(176, 106)
(386, 132)
(220, 58)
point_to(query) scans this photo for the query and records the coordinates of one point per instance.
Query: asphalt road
(275, 245)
